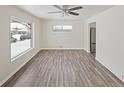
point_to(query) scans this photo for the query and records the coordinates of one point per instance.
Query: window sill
(21, 54)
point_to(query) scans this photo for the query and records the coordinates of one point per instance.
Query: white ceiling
(41, 11)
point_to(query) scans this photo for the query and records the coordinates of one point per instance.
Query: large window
(20, 36)
(63, 28)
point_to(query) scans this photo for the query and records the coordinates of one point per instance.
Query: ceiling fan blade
(74, 13)
(58, 7)
(75, 8)
(55, 12)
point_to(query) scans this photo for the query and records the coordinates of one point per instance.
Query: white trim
(63, 48)
(87, 50)
(11, 74)
(98, 60)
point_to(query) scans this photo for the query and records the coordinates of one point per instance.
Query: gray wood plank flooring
(64, 68)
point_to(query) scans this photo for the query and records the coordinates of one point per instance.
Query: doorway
(93, 38)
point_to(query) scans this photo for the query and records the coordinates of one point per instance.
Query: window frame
(32, 45)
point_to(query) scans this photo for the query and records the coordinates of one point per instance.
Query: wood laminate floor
(64, 68)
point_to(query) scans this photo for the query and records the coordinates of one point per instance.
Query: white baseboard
(87, 50)
(62, 48)
(11, 74)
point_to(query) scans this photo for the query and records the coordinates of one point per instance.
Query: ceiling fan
(65, 10)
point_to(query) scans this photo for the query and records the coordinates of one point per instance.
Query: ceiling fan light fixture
(66, 11)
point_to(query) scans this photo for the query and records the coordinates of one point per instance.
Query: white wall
(109, 39)
(73, 40)
(8, 68)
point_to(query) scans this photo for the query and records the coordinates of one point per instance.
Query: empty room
(61, 46)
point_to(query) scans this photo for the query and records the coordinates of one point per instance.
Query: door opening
(93, 38)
